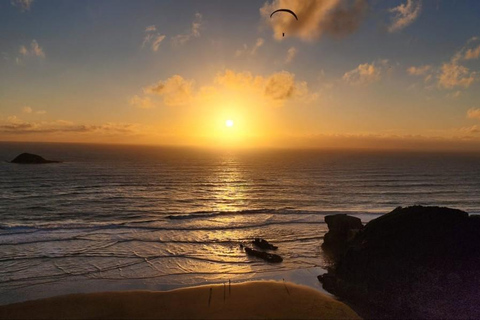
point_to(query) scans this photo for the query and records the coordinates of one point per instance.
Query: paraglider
(284, 10)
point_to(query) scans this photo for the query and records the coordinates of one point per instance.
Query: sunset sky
(348, 74)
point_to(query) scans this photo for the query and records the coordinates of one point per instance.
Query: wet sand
(251, 300)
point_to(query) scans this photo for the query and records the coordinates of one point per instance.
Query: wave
(283, 211)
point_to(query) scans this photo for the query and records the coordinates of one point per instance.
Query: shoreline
(248, 300)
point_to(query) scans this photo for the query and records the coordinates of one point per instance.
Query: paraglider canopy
(284, 10)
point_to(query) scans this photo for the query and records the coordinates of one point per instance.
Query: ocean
(154, 218)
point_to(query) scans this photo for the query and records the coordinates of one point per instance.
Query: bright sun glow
(229, 123)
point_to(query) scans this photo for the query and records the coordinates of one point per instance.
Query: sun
(229, 123)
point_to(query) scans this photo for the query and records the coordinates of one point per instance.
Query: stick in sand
(210, 297)
(285, 286)
(224, 290)
(229, 287)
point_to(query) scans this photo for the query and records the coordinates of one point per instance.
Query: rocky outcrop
(263, 244)
(29, 158)
(415, 262)
(269, 257)
(341, 230)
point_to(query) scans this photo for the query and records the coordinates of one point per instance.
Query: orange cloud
(315, 18)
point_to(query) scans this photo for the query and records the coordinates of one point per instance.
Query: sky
(348, 74)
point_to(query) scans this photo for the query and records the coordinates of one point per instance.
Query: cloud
(454, 95)
(151, 38)
(473, 113)
(419, 71)
(175, 91)
(454, 75)
(291, 53)
(277, 87)
(194, 31)
(35, 50)
(272, 90)
(151, 28)
(23, 5)
(141, 103)
(14, 125)
(245, 51)
(470, 130)
(27, 110)
(365, 73)
(156, 42)
(315, 18)
(472, 53)
(405, 14)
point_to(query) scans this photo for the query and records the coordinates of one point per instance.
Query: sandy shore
(251, 300)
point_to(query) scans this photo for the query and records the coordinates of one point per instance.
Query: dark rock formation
(263, 244)
(415, 262)
(341, 230)
(269, 257)
(29, 158)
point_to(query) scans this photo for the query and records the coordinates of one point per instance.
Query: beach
(250, 300)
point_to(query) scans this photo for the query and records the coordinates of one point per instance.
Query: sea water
(137, 217)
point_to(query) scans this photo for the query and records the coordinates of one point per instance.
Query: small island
(29, 158)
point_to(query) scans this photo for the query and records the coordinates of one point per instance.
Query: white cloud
(405, 14)
(194, 32)
(291, 53)
(23, 5)
(315, 18)
(366, 73)
(250, 52)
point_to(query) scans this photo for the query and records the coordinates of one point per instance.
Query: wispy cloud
(473, 113)
(366, 73)
(315, 18)
(34, 51)
(141, 103)
(15, 125)
(194, 31)
(246, 51)
(152, 38)
(419, 71)
(291, 53)
(405, 14)
(23, 5)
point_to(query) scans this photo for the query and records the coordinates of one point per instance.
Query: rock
(269, 257)
(264, 244)
(341, 230)
(413, 262)
(29, 158)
